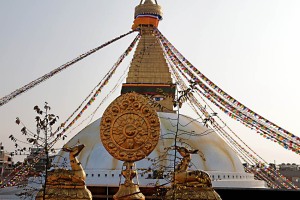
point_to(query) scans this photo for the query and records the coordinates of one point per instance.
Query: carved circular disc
(130, 128)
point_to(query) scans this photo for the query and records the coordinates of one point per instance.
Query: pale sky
(249, 48)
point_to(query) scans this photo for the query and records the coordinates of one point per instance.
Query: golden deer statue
(190, 184)
(182, 175)
(67, 183)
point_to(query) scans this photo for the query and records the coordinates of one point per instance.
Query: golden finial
(147, 13)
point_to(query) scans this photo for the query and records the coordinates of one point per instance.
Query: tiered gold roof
(149, 72)
(149, 64)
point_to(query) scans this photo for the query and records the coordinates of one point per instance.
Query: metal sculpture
(67, 183)
(129, 131)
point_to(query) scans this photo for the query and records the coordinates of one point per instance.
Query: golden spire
(147, 13)
(149, 7)
(149, 73)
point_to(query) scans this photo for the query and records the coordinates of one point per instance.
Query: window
(98, 175)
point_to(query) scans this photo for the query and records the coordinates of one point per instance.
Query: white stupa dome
(215, 156)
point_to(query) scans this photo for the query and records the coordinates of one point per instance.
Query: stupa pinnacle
(147, 13)
(149, 73)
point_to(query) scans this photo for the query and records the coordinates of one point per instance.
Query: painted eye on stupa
(158, 98)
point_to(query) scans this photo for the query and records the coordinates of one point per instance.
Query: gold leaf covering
(148, 8)
(130, 128)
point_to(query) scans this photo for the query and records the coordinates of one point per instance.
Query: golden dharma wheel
(130, 128)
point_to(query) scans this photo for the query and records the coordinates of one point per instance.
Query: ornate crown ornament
(148, 8)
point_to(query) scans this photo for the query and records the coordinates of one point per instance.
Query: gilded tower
(149, 73)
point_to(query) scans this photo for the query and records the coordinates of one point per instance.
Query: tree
(39, 145)
(166, 164)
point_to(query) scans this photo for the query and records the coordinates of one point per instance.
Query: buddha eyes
(158, 98)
